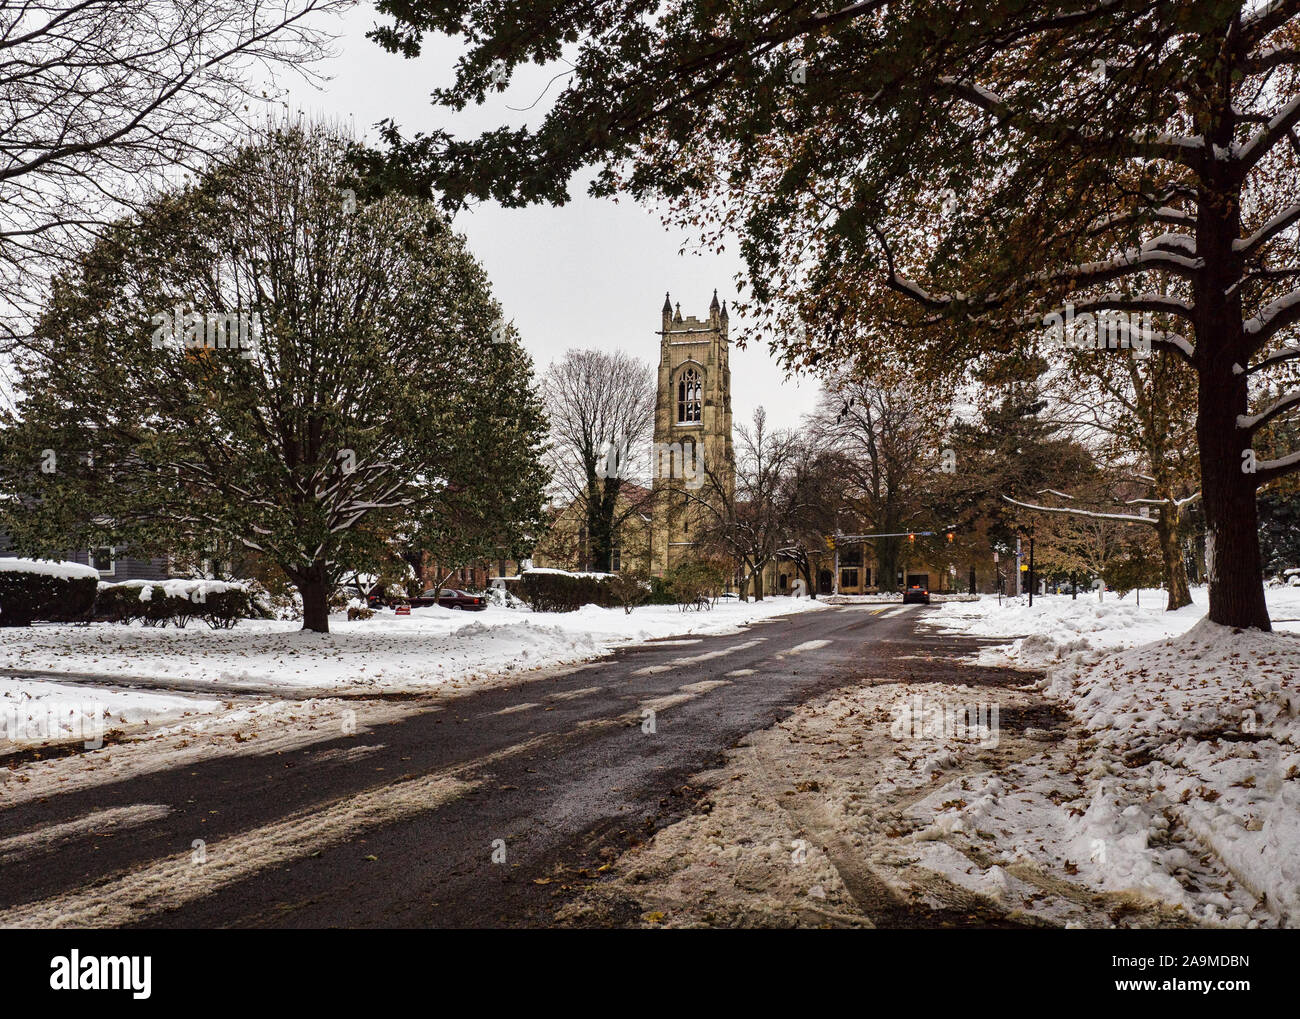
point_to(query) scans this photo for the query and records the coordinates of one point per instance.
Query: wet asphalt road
(558, 772)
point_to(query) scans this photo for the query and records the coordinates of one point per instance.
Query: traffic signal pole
(1031, 569)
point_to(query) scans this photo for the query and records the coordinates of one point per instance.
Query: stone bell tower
(693, 456)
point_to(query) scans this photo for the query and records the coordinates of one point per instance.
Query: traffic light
(951, 535)
(912, 538)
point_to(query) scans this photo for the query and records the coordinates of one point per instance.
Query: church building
(692, 457)
(692, 486)
(693, 460)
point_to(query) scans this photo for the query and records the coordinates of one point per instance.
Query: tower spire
(713, 305)
(668, 305)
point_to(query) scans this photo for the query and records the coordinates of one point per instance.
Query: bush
(223, 609)
(39, 589)
(695, 585)
(218, 604)
(659, 592)
(558, 591)
(628, 589)
(119, 603)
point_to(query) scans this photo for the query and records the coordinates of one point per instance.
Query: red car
(449, 598)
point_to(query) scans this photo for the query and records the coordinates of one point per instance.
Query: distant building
(113, 562)
(692, 453)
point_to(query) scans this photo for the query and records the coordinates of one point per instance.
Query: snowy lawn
(431, 647)
(1058, 626)
(1184, 758)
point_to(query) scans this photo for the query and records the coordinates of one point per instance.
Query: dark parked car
(449, 598)
(917, 594)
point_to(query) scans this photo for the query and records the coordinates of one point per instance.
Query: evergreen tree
(261, 359)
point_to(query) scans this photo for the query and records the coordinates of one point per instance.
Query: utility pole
(1018, 558)
(1032, 582)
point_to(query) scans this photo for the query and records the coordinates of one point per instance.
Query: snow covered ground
(433, 647)
(1180, 781)
(1057, 626)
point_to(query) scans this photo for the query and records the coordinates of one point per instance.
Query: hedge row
(218, 604)
(41, 593)
(36, 589)
(557, 591)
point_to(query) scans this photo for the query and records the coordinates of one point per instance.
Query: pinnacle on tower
(678, 316)
(668, 307)
(713, 305)
(724, 311)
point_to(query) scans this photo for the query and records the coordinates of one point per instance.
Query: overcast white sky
(589, 274)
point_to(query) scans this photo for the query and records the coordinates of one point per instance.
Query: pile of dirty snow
(1204, 730)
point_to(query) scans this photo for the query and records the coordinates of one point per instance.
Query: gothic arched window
(689, 402)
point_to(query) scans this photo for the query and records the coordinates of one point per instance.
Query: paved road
(398, 826)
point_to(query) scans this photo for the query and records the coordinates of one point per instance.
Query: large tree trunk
(602, 502)
(887, 555)
(313, 585)
(1227, 479)
(1171, 554)
(1228, 493)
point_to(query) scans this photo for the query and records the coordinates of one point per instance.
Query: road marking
(344, 753)
(517, 707)
(704, 686)
(677, 663)
(571, 694)
(808, 645)
(673, 643)
(46, 839)
(741, 672)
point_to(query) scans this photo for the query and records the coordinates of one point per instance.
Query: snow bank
(37, 711)
(1058, 626)
(1204, 731)
(430, 647)
(1182, 778)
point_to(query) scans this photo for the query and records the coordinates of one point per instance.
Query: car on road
(916, 595)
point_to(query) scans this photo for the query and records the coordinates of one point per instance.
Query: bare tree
(747, 521)
(1138, 416)
(810, 497)
(601, 407)
(886, 437)
(101, 98)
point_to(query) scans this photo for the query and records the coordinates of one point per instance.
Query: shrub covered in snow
(219, 604)
(43, 589)
(560, 591)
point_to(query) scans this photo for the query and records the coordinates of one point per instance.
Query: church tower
(692, 452)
